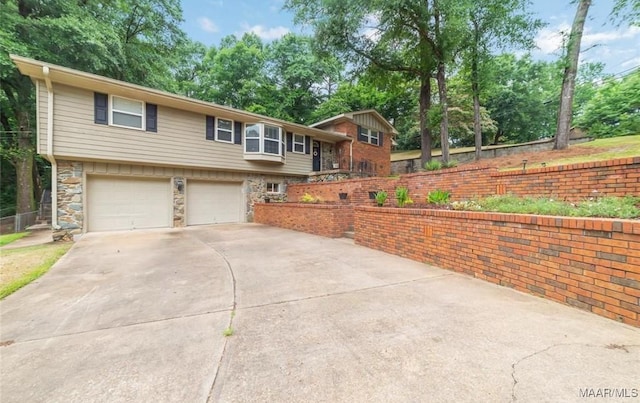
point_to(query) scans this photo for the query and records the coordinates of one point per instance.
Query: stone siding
(70, 197)
(179, 218)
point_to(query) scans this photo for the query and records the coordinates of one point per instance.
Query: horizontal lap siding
(42, 117)
(180, 139)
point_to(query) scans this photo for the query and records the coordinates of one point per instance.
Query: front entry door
(316, 156)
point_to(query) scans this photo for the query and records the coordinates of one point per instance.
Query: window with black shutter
(152, 118)
(209, 132)
(101, 108)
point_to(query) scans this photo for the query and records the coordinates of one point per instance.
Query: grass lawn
(23, 265)
(8, 238)
(613, 148)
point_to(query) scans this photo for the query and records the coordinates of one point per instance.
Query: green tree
(128, 40)
(233, 74)
(301, 77)
(565, 112)
(493, 24)
(395, 37)
(615, 108)
(522, 98)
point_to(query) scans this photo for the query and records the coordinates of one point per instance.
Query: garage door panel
(116, 203)
(213, 202)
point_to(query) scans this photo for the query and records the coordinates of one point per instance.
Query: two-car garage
(124, 203)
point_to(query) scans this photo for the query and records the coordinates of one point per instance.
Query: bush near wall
(328, 220)
(591, 264)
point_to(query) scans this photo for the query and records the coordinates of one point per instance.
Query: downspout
(50, 157)
(351, 156)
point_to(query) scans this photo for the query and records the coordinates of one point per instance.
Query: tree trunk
(475, 90)
(425, 133)
(24, 167)
(444, 123)
(565, 111)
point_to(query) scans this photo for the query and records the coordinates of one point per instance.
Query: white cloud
(267, 34)
(592, 38)
(549, 40)
(207, 25)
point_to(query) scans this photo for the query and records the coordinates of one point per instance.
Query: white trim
(369, 135)
(231, 131)
(262, 139)
(142, 114)
(278, 186)
(303, 143)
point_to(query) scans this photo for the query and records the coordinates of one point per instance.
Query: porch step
(349, 234)
(39, 227)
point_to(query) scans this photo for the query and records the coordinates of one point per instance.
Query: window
(273, 187)
(264, 140)
(224, 131)
(370, 136)
(127, 112)
(298, 143)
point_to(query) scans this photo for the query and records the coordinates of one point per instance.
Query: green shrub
(450, 164)
(433, 165)
(438, 196)
(607, 206)
(381, 197)
(402, 196)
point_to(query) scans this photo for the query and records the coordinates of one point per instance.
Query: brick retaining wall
(571, 182)
(330, 220)
(592, 264)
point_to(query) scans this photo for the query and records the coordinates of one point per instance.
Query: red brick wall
(592, 264)
(572, 182)
(380, 156)
(319, 219)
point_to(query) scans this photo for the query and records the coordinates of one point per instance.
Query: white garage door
(116, 203)
(213, 202)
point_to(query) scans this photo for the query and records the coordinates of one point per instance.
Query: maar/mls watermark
(610, 392)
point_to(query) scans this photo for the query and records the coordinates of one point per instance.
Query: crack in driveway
(345, 292)
(514, 398)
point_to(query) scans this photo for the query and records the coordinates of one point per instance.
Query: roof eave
(66, 76)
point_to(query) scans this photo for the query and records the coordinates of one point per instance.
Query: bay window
(264, 142)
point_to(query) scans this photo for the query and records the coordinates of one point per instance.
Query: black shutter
(101, 108)
(152, 118)
(307, 145)
(289, 141)
(360, 136)
(380, 137)
(237, 133)
(210, 128)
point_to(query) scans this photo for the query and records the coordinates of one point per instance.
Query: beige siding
(42, 117)
(370, 121)
(180, 140)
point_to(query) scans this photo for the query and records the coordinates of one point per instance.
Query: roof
(37, 70)
(349, 116)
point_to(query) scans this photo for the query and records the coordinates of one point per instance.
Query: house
(125, 156)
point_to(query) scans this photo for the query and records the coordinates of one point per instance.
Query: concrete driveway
(139, 316)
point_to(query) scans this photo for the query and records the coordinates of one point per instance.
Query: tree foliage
(614, 110)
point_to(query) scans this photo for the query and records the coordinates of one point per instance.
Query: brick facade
(377, 157)
(591, 264)
(319, 219)
(571, 182)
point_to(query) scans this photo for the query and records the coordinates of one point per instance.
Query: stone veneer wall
(70, 197)
(179, 218)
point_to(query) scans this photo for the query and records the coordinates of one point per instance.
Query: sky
(208, 21)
